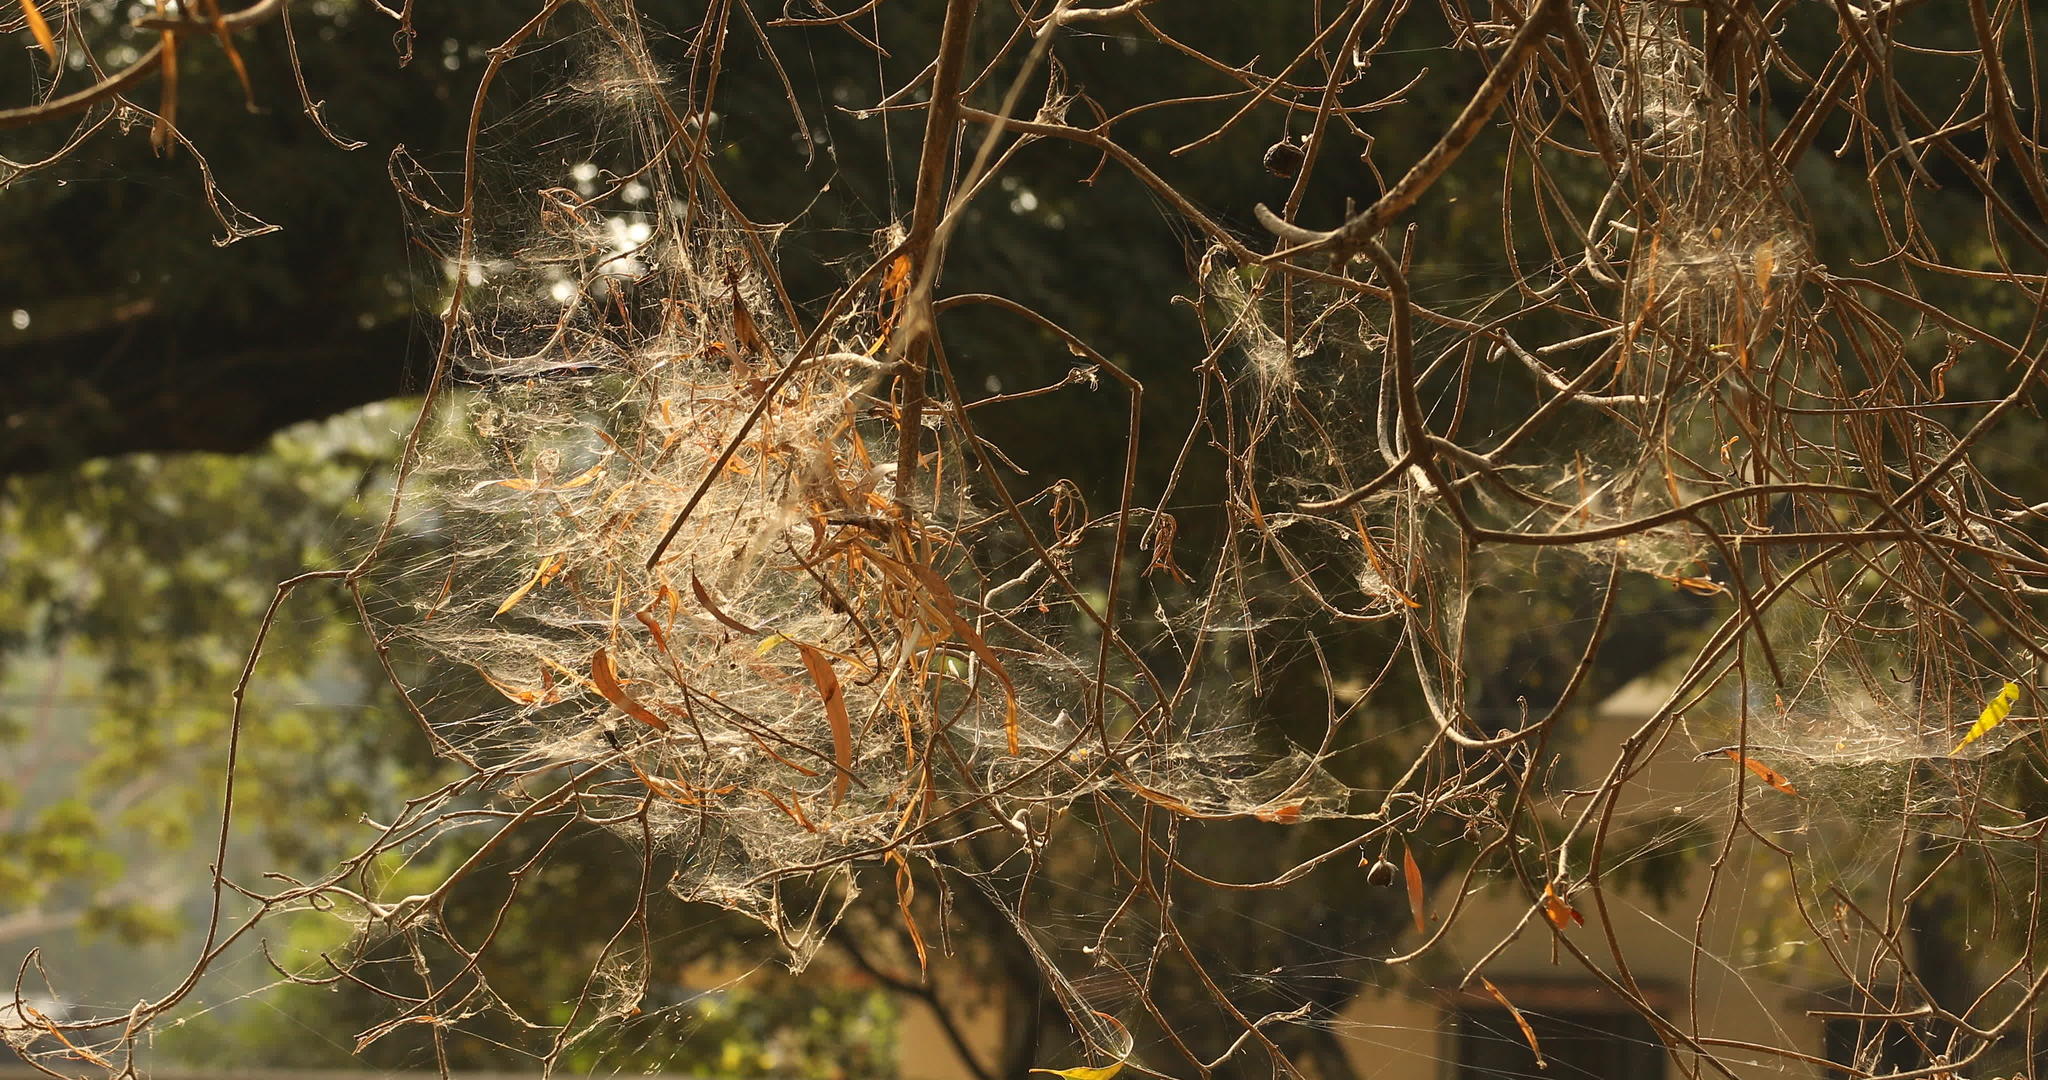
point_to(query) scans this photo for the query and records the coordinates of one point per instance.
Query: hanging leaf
(1764, 772)
(942, 595)
(1558, 910)
(40, 28)
(1994, 714)
(829, 690)
(606, 679)
(1522, 1022)
(1413, 874)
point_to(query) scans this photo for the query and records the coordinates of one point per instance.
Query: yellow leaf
(1993, 715)
(541, 575)
(40, 28)
(768, 644)
(1085, 1072)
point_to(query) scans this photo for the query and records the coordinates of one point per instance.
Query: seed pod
(1381, 873)
(1284, 158)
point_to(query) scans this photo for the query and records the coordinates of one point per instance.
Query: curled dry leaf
(1522, 1022)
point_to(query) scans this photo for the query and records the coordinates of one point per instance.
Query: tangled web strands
(679, 550)
(725, 612)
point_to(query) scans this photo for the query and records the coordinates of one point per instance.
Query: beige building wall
(1744, 990)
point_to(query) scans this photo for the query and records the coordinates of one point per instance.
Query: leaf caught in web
(1085, 1072)
(1559, 911)
(1521, 1021)
(606, 679)
(1764, 772)
(1994, 714)
(834, 697)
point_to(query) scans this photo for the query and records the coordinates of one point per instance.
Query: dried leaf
(654, 630)
(704, 597)
(40, 28)
(942, 594)
(36, 1016)
(906, 893)
(512, 693)
(744, 330)
(820, 668)
(1279, 815)
(227, 45)
(793, 808)
(1765, 773)
(895, 286)
(1528, 1032)
(1560, 911)
(606, 679)
(542, 574)
(1160, 798)
(1993, 715)
(1413, 873)
(587, 476)
(167, 106)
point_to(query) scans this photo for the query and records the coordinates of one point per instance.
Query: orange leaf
(40, 28)
(1558, 910)
(1415, 900)
(1764, 772)
(1528, 1032)
(654, 629)
(829, 690)
(1279, 815)
(606, 679)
